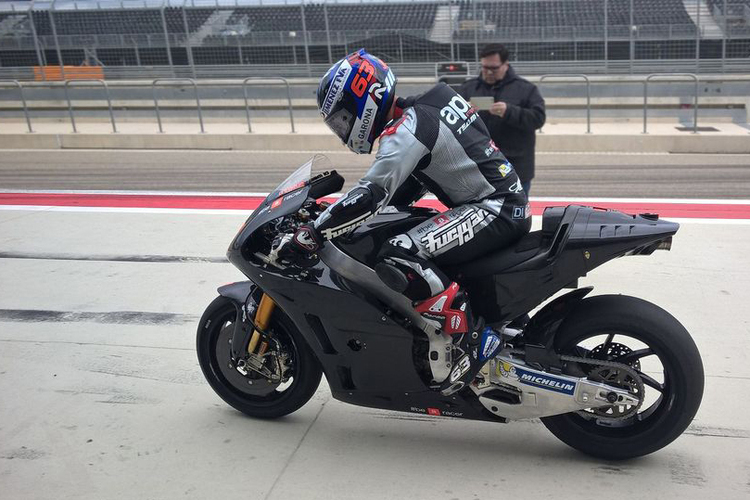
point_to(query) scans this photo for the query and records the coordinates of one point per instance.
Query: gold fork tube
(262, 318)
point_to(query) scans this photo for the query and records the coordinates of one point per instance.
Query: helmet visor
(341, 122)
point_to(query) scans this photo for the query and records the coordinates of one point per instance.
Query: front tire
(250, 394)
(676, 394)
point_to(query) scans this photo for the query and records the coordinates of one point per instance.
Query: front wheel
(634, 332)
(250, 392)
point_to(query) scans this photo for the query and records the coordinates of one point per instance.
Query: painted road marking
(195, 202)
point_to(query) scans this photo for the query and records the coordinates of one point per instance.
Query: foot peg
(477, 350)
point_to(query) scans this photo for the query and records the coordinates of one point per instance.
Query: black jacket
(515, 132)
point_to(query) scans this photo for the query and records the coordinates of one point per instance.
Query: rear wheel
(248, 391)
(634, 332)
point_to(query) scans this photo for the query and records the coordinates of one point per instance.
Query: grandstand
(243, 32)
(519, 13)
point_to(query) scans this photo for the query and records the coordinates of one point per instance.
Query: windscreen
(287, 198)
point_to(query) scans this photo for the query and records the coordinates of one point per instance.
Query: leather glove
(297, 248)
(307, 239)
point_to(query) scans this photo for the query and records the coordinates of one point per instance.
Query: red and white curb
(692, 210)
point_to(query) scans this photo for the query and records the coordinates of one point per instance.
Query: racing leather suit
(436, 142)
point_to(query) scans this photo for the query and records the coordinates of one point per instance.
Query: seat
(524, 249)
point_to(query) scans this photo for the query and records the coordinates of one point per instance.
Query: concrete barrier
(558, 142)
(645, 143)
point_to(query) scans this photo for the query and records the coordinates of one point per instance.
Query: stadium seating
(649, 12)
(737, 11)
(367, 16)
(419, 16)
(123, 21)
(729, 3)
(340, 17)
(521, 14)
(347, 17)
(226, 33)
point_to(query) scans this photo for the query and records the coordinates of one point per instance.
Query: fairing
(368, 339)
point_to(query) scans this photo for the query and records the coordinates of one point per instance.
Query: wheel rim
(252, 387)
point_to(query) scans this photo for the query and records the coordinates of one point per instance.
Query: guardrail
(645, 97)
(106, 92)
(247, 105)
(16, 83)
(247, 82)
(182, 82)
(588, 92)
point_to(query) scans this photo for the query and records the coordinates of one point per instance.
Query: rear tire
(679, 396)
(213, 355)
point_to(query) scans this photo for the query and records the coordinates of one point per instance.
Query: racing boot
(450, 311)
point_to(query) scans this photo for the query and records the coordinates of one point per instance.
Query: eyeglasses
(491, 68)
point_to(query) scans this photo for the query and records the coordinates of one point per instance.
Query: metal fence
(181, 38)
(123, 101)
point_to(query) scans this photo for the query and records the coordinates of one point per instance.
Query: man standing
(517, 112)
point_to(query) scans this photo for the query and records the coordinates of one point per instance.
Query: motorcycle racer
(437, 142)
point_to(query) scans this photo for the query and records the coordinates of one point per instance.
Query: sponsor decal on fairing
(436, 412)
(292, 195)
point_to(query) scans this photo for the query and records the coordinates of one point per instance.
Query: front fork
(262, 319)
(249, 349)
(253, 317)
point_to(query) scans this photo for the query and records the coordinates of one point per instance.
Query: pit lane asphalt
(558, 174)
(101, 395)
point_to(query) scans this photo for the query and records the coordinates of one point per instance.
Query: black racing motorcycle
(612, 376)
